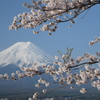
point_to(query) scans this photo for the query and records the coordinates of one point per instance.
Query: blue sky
(76, 37)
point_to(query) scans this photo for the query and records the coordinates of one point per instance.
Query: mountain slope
(24, 54)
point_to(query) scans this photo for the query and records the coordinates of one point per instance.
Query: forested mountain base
(23, 94)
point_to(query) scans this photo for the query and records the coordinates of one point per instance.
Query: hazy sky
(76, 37)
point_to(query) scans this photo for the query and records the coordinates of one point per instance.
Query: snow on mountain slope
(24, 54)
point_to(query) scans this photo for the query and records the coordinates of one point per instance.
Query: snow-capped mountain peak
(24, 54)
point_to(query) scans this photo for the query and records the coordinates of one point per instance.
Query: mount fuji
(24, 54)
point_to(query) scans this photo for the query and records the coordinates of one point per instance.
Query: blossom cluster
(63, 72)
(83, 90)
(25, 72)
(49, 13)
(96, 84)
(97, 39)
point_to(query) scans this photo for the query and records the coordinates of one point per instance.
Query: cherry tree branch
(88, 63)
(44, 13)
